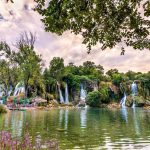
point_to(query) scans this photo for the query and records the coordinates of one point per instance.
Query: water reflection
(66, 118)
(83, 117)
(61, 112)
(63, 118)
(84, 128)
(136, 122)
(16, 121)
(124, 114)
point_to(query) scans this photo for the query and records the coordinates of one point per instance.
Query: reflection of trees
(83, 118)
(136, 122)
(15, 122)
(101, 126)
(124, 114)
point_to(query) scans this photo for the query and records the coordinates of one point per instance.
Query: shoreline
(107, 106)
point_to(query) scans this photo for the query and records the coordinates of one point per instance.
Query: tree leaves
(106, 22)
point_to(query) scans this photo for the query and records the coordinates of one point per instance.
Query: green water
(84, 128)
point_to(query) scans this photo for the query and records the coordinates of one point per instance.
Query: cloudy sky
(19, 17)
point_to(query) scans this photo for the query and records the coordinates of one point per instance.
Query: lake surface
(84, 128)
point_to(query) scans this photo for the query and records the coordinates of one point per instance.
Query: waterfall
(60, 95)
(19, 89)
(66, 94)
(134, 92)
(134, 89)
(123, 101)
(82, 93)
(10, 90)
(133, 105)
(1, 91)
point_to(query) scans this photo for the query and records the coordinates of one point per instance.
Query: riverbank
(56, 105)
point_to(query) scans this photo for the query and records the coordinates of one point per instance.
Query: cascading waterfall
(123, 101)
(1, 91)
(134, 92)
(82, 93)
(60, 94)
(19, 89)
(134, 89)
(66, 94)
(10, 90)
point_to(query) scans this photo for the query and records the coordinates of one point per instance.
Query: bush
(94, 99)
(104, 95)
(50, 97)
(2, 109)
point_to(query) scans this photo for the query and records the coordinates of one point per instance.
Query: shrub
(50, 96)
(94, 99)
(2, 109)
(104, 95)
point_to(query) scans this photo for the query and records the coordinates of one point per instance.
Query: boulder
(138, 100)
(81, 103)
(113, 105)
(38, 101)
(147, 103)
(53, 103)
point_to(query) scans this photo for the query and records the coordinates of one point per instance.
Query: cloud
(19, 17)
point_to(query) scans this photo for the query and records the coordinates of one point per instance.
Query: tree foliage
(94, 99)
(27, 63)
(99, 21)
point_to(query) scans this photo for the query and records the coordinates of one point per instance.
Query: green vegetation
(2, 109)
(94, 99)
(25, 65)
(106, 22)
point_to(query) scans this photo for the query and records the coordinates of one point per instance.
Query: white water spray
(1, 91)
(82, 93)
(134, 92)
(66, 94)
(60, 94)
(19, 89)
(123, 101)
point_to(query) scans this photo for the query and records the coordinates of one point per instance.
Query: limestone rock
(138, 100)
(81, 103)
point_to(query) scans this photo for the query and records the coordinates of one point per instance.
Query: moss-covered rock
(2, 109)
(53, 103)
(138, 100)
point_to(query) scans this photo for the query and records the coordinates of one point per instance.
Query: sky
(19, 17)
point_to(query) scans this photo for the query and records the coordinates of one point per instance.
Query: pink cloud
(20, 17)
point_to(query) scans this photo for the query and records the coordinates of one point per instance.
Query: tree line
(23, 64)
